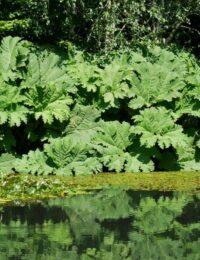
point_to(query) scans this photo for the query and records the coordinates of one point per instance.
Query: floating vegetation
(27, 187)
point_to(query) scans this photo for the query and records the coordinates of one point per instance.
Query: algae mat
(26, 187)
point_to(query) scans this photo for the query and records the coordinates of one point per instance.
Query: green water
(110, 224)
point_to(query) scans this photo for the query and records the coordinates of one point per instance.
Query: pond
(110, 224)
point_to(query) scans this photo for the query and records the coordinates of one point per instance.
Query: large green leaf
(113, 141)
(48, 102)
(82, 122)
(11, 109)
(190, 165)
(71, 156)
(35, 162)
(84, 74)
(7, 163)
(112, 81)
(154, 83)
(114, 134)
(156, 126)
(44, 68)
(185, 158)
(187, 105)
(138, 163)
(157, 78)
(13, 56)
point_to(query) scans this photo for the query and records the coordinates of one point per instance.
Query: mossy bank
(14, 188)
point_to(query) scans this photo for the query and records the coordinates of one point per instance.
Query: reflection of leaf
(98, 226)
(155, 221)
(158, 216)
(155, 247)
(114, 203)
(53, 236)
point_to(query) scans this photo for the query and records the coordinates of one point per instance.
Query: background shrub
(103, 24)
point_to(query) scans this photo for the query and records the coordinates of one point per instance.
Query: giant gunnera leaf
(176, 62)
(48, 102)
(140, 158)
(83, 122)
(112, 142)
(13, 56)
(187, 105)
(155, 82)
(84, 74)
(12, 110)
(71, 156)
(7, 163)
(183, 158)
(35, 162)
(156, 126)
(44, 68)
(112, 82)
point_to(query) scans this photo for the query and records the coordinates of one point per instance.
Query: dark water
(112, 224)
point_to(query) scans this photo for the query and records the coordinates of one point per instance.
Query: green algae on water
(27, 187)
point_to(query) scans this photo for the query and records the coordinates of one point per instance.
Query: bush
(97, 25)
(131, 111)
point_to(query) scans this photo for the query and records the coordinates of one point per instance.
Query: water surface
(112, 224)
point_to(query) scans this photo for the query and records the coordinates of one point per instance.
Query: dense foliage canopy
(130, 111)
(64, 111)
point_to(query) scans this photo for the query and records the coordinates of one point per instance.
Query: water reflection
(112, 224)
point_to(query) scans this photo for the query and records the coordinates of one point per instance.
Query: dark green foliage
(102, 24)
